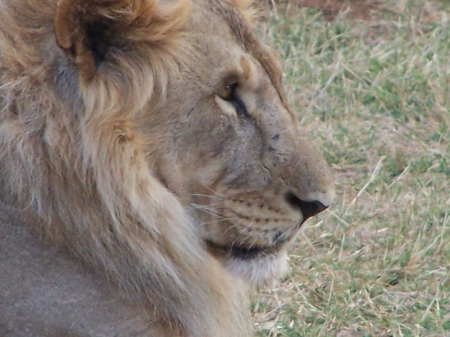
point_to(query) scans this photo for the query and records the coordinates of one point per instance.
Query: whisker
(247, 237)
(206, 209)
(210, 212)
(250, 224)
(201, 195)
(218, 220)
(215, 192)
(233, 226)
(221, 218)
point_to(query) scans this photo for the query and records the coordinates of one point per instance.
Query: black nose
(308, 208)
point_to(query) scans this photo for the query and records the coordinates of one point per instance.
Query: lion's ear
(87, 30)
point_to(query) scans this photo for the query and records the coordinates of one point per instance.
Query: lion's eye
(226, 92)
(229, 93)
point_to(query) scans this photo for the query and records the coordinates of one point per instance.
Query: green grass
(375, 97)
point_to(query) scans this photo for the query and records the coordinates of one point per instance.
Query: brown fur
(130, 187)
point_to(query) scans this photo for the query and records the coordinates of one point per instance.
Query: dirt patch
(363, 9)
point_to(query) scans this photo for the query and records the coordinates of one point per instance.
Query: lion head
(238, 159)
(152, 139)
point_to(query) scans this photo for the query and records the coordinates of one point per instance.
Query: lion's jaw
(264, 271)
(258, 266)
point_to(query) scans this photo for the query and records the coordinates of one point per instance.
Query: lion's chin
(261, 271)
(258, 266)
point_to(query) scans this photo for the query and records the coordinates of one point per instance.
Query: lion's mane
(73, 164)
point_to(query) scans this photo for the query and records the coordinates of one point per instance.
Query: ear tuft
(88, 29)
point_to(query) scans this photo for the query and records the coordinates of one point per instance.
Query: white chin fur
(264, 271)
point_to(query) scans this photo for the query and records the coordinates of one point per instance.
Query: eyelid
(231, 78)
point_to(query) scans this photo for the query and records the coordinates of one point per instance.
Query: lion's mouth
(242, 252)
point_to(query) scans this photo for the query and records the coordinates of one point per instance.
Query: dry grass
(331, 8)
(375, 96)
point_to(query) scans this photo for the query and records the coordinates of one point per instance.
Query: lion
(152, 171)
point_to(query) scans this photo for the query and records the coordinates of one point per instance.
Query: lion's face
(238, 159)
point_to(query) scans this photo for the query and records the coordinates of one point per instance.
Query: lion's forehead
(229, 26)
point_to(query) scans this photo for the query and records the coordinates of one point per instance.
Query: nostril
(308, 208)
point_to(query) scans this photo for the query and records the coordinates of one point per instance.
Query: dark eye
(229, 93)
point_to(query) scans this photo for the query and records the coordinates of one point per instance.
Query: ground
(355, 8)
(371, 83)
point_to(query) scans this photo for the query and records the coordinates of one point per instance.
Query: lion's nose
(308, 208)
